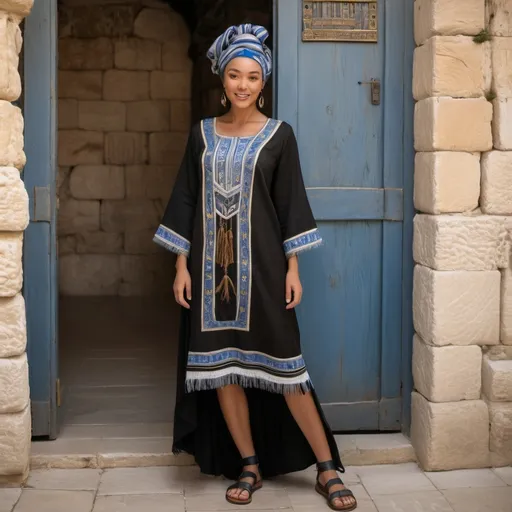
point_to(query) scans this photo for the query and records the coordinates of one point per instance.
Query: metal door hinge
(374, 90)
(59, 394)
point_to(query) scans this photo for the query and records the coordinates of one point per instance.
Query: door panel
(351, 154)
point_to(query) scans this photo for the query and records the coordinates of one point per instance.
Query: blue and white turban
(241, 41)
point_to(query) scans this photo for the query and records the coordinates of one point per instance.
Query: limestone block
(438, 122)
(15, 432)
(447, 17)
(81, 85)
(14, 390)
(126, 148)
(126, 85)
(502, 66)
(158, 25)
(146, 275)
(20, 7)
(496, 197)
(77, 216)
(167, 148)
(451, 435)
(448, 66)
(11, 136)
(500, 415)
(138, 54)
(79, 54)
(502, 123)
(181, 114)
(89, 274)
(99, 242)
(459, 242)
(10, 46)
(150, 181)
(63, 184)
(456, 307)
(446, 374)
(11, 247)
(13, 327)
(499, 17)
(445, 181)
(175, 57)
(148, 116)
(68, 114)
(80, 147)
(103, 116)
(13, 201)
(506, 306)
(66, 244)
(170, 86)
(497, 379)
(140, 242)
(129, 215)
(97, 182)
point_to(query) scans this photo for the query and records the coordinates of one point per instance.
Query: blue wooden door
(352, 157)
(39, 254)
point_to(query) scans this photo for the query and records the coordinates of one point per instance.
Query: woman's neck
(242, 116)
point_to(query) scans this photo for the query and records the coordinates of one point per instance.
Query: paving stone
(463, 478)
(505, 474)
(65, 480)
(480, 500)
(263, 500)
(55, 501)
(150, 502)
(8, 497)
(430, 501)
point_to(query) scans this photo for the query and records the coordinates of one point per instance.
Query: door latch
(374, 90)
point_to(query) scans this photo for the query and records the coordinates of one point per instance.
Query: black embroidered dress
(238, 211)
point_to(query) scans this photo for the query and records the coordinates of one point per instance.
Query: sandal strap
(250, 461)
(241, 485)
(248, 474)
(327, 465)
(333, 481)
(345, 493)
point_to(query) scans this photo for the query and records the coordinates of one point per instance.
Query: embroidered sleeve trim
(170, 240)
(303, 242)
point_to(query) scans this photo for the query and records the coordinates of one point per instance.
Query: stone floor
(397, 488)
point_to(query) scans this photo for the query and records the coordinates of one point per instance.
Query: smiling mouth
(242, 96)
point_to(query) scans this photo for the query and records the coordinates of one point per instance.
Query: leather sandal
(246, 486)
(324, 489)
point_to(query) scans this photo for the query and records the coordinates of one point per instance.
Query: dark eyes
(252, 78)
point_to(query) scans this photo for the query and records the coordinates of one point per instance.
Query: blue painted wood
(40, 258)
(352, 158)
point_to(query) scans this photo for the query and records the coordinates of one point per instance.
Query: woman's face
(243, 82)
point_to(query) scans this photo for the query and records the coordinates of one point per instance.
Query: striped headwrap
(241, 41)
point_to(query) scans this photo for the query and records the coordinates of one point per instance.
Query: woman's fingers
(179, 290)
(297, 297)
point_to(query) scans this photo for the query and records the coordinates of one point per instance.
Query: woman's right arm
(182, 283)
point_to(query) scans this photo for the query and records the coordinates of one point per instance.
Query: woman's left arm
(293, 284)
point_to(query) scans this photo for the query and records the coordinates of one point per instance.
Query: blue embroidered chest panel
(228, 167)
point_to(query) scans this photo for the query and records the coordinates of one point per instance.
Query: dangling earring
(261, 101)
(224, 100)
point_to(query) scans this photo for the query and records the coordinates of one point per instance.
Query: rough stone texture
(449, 66)
(496, 195)
(150, 181)
(103, 116)
(97, 182)
(76, 216)
(446, 182)
(500, 415)
(89, 274)
(497, 379)
(11, 136)
(129, 215)
(68, 114)
(13, 201)
(138, 54)
(13, 326)
(80, 147)
(78, 54)
(502, 123)
(140, 242)
(502, 66)
(447, 17)
(11, 246)
(167, 148)
(148, 116)
(170, 86)
(81, 85)
(175, 57)
(458, 242)
(446, 374)
(143, 275)
(19, 7)
(14, 390)
(99, 243)
(438, 121)
(451, 435)
(159, 25)
(506, 306)
(125, 148)
(180, 116)
(499, 17)
(10, 46)
(15, 442)
(126, 85)
(456, 307)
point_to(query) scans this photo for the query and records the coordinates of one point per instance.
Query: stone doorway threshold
(150, 445)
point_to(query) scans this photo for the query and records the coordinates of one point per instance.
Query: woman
(238, 218)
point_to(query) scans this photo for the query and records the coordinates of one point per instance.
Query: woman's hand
(182, 283)
(293, 287)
